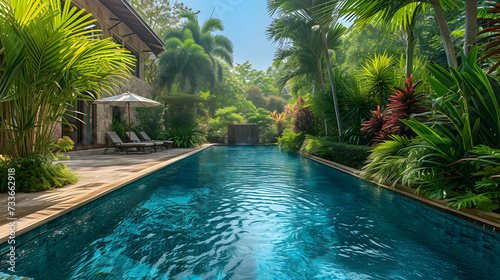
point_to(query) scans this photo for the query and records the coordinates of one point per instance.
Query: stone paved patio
(97, 173)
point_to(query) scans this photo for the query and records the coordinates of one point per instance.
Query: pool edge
(469, 217)
(39, 218)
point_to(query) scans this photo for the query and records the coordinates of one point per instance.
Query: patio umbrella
(128, 100)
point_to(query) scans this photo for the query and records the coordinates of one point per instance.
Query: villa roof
(128, 15)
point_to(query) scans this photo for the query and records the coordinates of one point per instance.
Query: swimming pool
(257, 213)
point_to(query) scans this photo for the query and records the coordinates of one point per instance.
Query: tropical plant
(378, 76)
(387, 161)
(185, 62)
(122, 127)
(470, 100)
(186, 137)
(404, 104)
(303, 119)
(49, 62)
(401, 15)
(217, 126)
(324, 18)
(321, 104)
(290, 141)
(452, 156)
(491, 42)
(280, 122)
(38, 173)
(150, 120)
(358, 104)
(218, 47)
(376, 127)
(178, 118)
(301, 47)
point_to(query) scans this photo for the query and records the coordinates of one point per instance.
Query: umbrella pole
(129, 116)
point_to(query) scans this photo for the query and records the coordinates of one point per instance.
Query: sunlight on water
(258, 213)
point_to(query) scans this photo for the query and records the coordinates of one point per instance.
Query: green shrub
(346, 154)
(269, 136)
(38, 173)
(120, 127)
(262, 118)
(35, 174)
(290, 141)
(186, 137)
(151, 120)
(179, 118)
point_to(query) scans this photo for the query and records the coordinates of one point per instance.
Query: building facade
(118, 20)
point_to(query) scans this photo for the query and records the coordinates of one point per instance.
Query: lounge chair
(133, 138)
(115, 141)
(146, 138)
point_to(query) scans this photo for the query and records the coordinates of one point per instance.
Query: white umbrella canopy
(128, 99)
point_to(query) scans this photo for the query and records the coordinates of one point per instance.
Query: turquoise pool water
(257, 213)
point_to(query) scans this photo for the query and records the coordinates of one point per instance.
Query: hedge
(346, 154)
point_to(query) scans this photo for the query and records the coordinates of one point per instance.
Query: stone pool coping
(486, 220)
(43, 216)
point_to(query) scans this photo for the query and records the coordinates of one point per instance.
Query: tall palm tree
(49, 62)
(301, 47)
(324, 19)
(218, 47)
(186, 62)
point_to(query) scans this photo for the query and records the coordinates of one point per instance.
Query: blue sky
(245, 23)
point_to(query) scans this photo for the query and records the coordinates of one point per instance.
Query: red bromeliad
(403, 104)
(376, 126)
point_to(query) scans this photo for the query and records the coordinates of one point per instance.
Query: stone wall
(57, 133)
(105, 112)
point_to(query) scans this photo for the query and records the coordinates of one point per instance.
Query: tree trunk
(410, 40)
(410, 52)
(328, 64)
(470, 25)
(445, 34)
(320, 74)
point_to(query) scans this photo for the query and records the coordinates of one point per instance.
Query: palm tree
(301, 47)
(401, 14)
(49, 62)
(218, 47)
(324, 21)
(186, 62)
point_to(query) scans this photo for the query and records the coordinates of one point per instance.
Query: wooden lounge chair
(115, 141)
(144, 136)
(133, 138)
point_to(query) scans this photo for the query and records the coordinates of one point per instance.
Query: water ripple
(256, 213)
